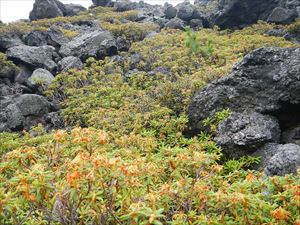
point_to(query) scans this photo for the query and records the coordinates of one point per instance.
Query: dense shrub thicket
(124, 158)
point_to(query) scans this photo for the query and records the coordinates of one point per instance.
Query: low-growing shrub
(132, 31)
(89, 176)
(126, 160)
(7, 67)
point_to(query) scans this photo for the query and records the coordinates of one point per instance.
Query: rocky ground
(265, 82)
(128, 68)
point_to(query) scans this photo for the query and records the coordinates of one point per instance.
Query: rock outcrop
(53, 36)
(46, 9)
(41, 77)
(69, 62)
(35, 57)
(243, 133)
(24, 111)
(263, 93)
(93, 44)
(102, 2)
(9, 40)
(43, 9)
(278, 159)
(236, 13)
(224, 13)
(265, 81)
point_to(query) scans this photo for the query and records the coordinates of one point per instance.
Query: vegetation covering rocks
(135, 129)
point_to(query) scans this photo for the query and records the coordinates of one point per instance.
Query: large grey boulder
(237, 13)
(102, 2)
(278, 159)
(282, 16)
(186, 11)
(53, 36)
(123, 44)
(24, 111)
(267, 81)
(11, 118)
(41, 77)
(35, 57)
(243, 133)
(35, 38)
(73, 9)
(70, 62)
(53, 120)
(9, 40)
(263, 92)
(124, 5)
(32, 105)
(46, 9)
(92, 44)
(196, 23)
(175, 23)
(22, 76)
(170, 12)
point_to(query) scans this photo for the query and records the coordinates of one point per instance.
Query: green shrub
(88, 175)
(294, 28)
(193, 44)
(7, 67)
(132, 31)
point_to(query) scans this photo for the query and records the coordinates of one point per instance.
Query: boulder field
(262, 91)
(207, 13)
(263, 94)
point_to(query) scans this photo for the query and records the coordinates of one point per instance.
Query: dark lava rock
(170, 12)
(9, 40)
(53, 120)
(46, 9)
(277, 32)
(281, 16)
(14, 88)
(262, 89)
(237, 13)
(90, 44)
(124, 5)
(267, 81)
(24, 111)
(43, 9)
(36, 38)
(35, 57)
(122, 44)
(196, 23)
(41, 77)
(102, 2)
(23, 75)
(53, 36)
(73, 9)
(186, 11)
(175, 23)
(278, 159)
(32, 105)
(70, 62)
(243, 133)
(291, 135)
